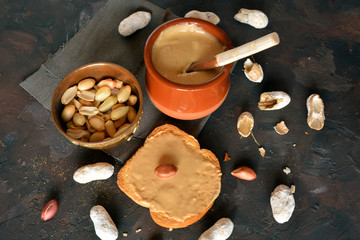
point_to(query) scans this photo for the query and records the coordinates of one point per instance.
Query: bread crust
(158, 217)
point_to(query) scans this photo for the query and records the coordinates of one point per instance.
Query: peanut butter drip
(179, 46)
(189, 192)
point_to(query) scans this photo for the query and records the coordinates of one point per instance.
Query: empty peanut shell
(207, 16)
(254, 18)
(253, 71)
(245, 124)
(281, 128)
(273, 100)
(316, 115)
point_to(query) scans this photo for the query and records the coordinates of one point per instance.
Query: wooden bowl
(180, 101)
(98, 71)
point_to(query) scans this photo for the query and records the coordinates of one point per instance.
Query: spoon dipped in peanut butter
(235, 54)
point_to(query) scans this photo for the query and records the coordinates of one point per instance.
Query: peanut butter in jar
(179, 46)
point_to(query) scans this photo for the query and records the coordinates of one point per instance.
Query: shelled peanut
(97, 111)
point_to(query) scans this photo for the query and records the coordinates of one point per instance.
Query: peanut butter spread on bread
(189, 192)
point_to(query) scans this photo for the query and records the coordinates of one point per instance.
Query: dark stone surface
(319, 53)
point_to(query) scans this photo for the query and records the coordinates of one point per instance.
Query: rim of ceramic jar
(224, 72)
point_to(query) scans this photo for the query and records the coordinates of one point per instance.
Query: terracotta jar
(180, 101)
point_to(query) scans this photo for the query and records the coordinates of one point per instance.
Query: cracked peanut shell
(281, 128)
(273, 100)
(245, 124)
(253, 71)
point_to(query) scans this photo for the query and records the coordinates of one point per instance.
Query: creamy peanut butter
(189, 192)
(179, 46)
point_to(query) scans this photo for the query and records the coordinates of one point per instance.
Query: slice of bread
(179, 200)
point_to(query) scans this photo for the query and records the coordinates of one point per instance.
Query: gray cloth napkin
(99, 41)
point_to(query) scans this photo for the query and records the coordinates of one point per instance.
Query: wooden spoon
(235, 54)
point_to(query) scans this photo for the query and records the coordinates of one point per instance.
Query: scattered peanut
(253, 71)
(226, 157)
(207, 16)
(282, 203)
(287, 170)
(165, 170)
(281, 128)
(315, 108)
(49, 210)
(262, 151)
(244, 173)
(92, 172)
(134, 22)
(273, 100)
(90, 105)
(221, 230)
(254, 18)
(104, 226)
(245, 124)
(293, 188)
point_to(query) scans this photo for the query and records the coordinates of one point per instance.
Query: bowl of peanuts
(98, 105)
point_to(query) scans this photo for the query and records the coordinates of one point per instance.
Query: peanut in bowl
(98, 105)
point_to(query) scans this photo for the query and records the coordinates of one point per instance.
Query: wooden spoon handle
(237, 53)
(248, 49)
